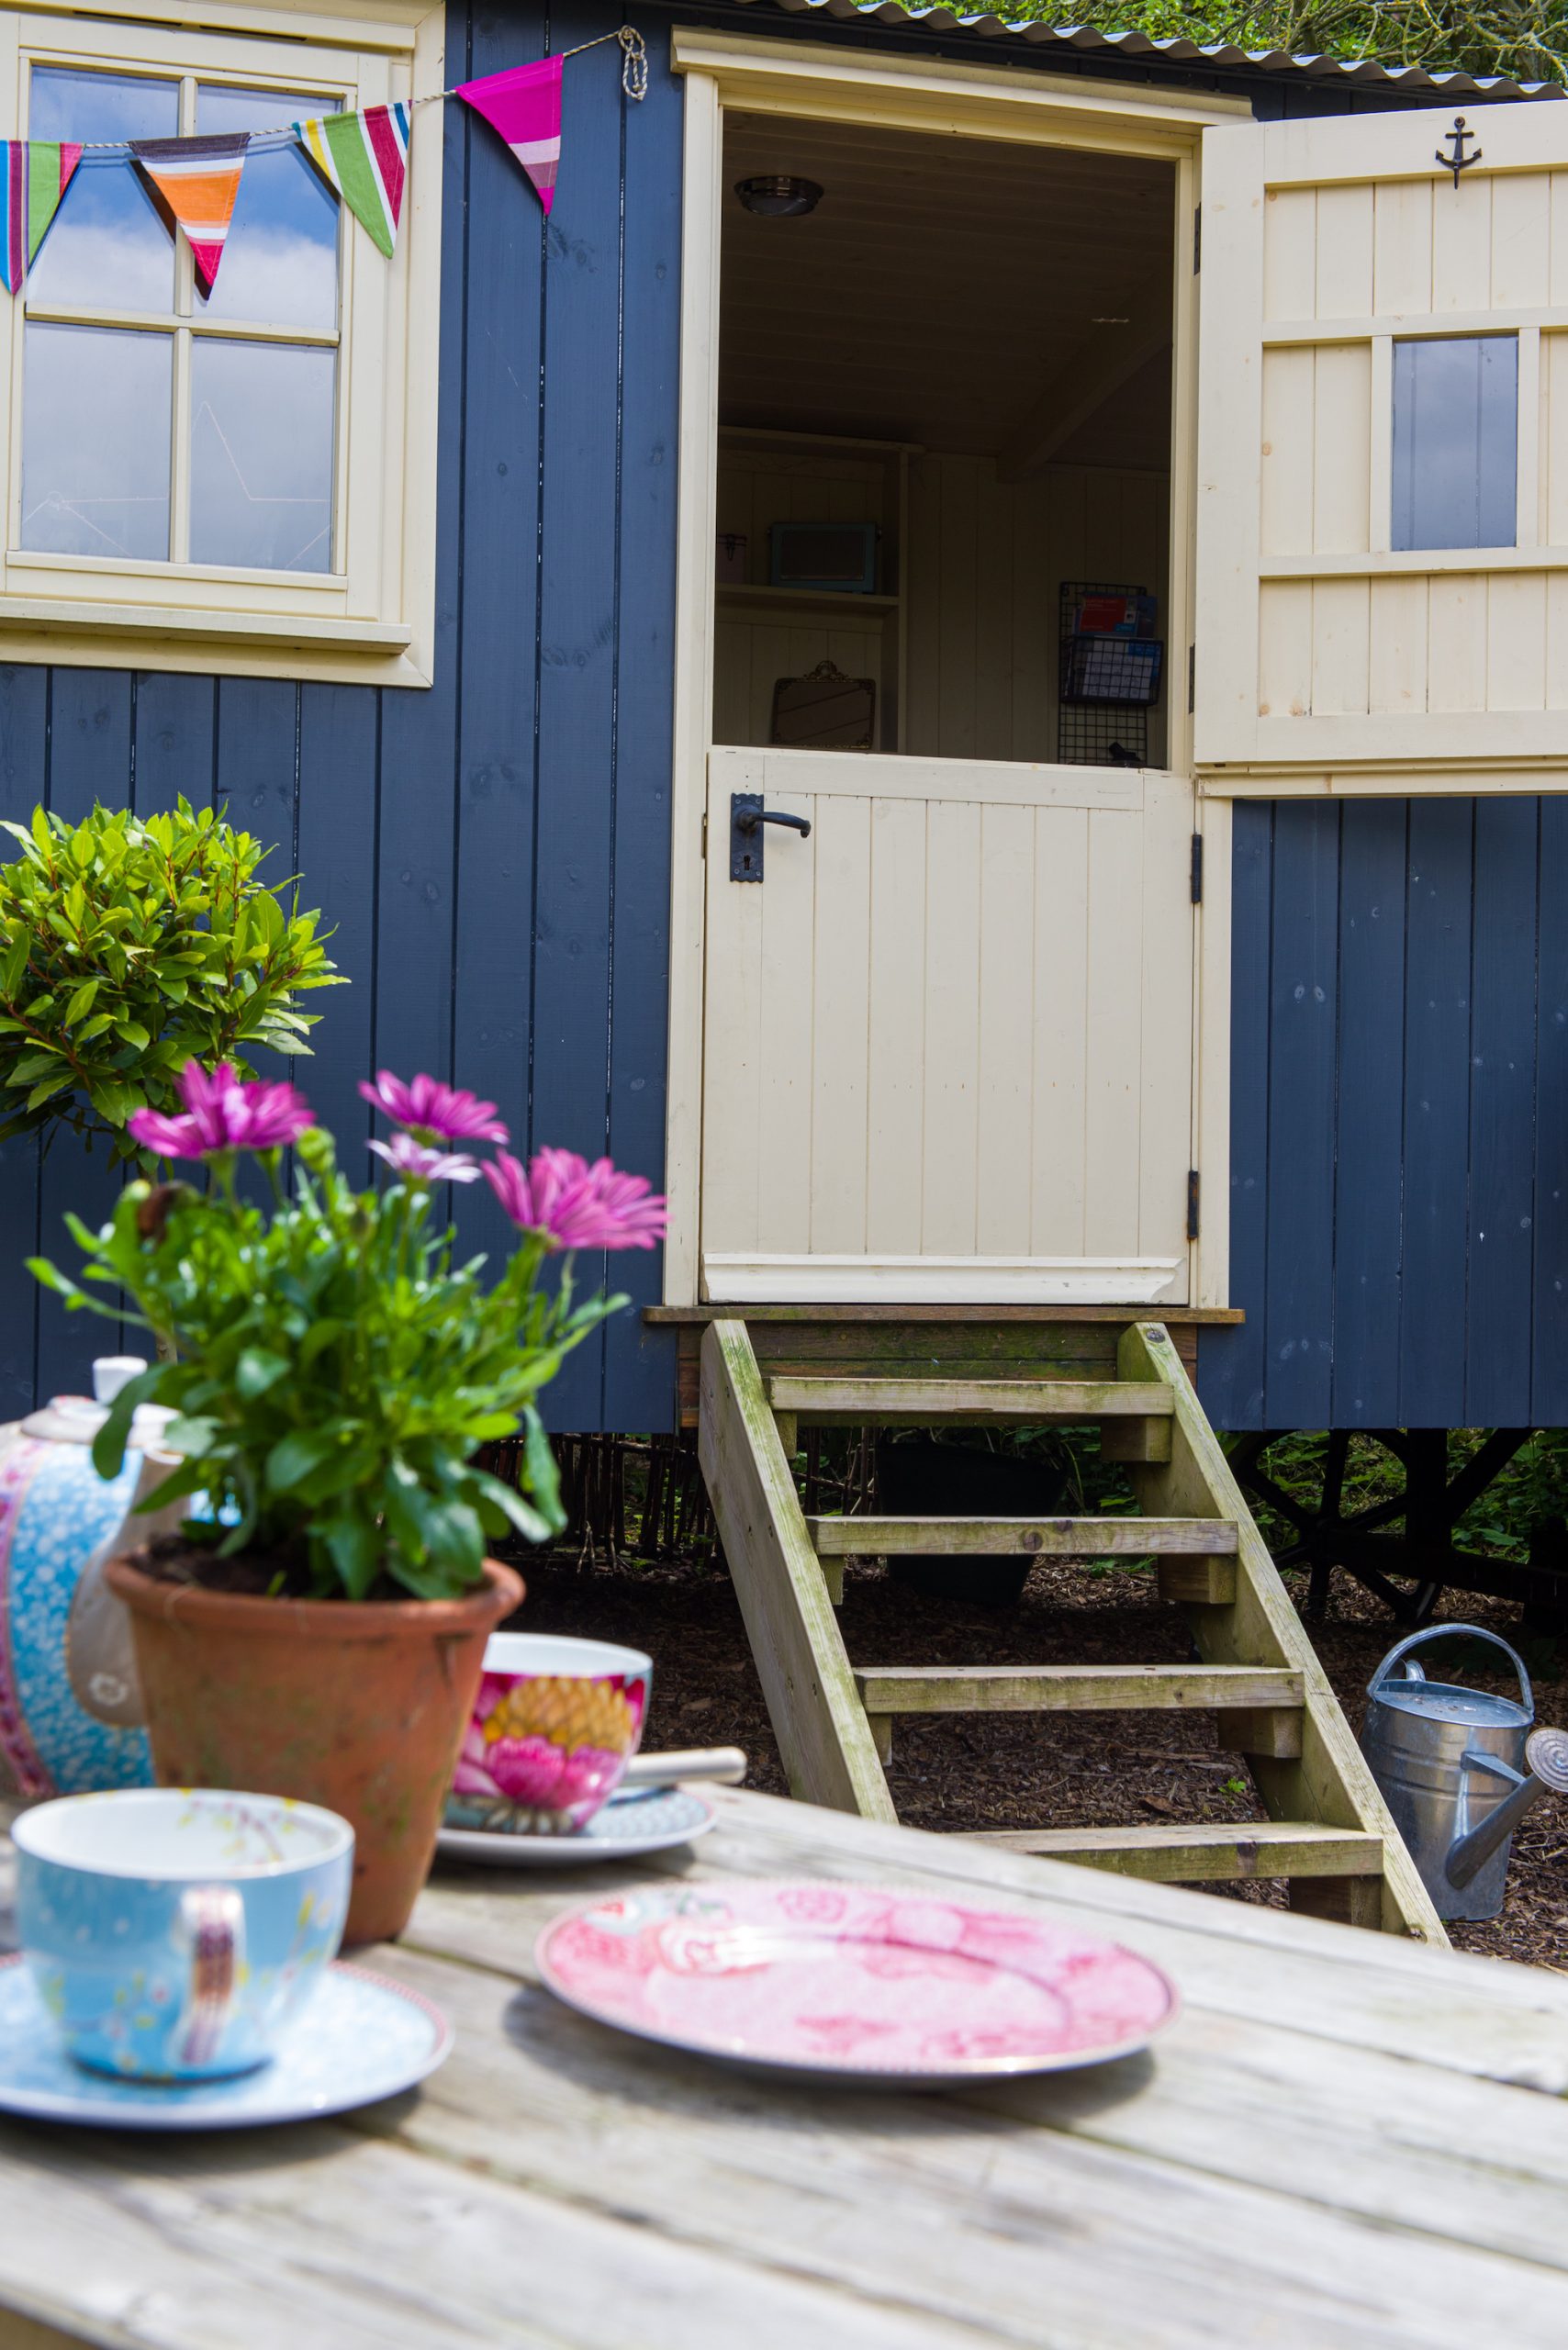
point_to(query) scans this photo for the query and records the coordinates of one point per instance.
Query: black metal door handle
(747, 816)
(774, 816)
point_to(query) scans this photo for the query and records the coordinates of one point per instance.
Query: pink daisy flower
(418, 1163)
(223, 1114)
(574, 1205)
(433, 1112)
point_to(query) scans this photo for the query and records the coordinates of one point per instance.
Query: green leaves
(256, 1370)
(293, 1458)
(128, 948)
(1523, 39)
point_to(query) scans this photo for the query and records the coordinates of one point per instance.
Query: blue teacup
(173, 1932)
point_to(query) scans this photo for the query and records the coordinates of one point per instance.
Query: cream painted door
(1341, 644)
(948, 1038)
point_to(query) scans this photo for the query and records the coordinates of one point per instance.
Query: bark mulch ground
(965, 1773)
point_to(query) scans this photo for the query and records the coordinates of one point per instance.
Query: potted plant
(130, 946)
(318, 1627)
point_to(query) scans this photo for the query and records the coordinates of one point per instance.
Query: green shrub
(131, 945)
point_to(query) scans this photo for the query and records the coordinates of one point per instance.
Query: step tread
(1063, 1537)
(1040, 1399)
(1210, 1849)
(1076, 1688)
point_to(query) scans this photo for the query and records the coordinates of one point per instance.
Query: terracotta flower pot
(359, 1707)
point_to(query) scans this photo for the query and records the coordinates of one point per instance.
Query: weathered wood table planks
(1345, 2141)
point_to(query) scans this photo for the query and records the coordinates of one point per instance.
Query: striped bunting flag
(37, 173)
(194, 183)
(364, 158)
(524, 105)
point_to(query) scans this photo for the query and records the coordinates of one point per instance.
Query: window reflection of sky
(1455, 442)
(96, 421)
(95, 442)
(280, 263)
(107, 248)
(261, 454)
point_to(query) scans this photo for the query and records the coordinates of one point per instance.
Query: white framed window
(242, 483)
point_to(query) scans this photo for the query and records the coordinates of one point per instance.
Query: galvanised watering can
(1458, 1769)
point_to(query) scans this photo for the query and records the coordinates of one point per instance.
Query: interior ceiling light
(779, 195)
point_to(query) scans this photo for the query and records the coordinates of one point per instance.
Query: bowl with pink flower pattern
(552, 1728)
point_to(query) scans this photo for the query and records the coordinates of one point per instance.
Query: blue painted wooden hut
(1115, 493)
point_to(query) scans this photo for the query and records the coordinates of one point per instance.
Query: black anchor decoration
(1458, 161)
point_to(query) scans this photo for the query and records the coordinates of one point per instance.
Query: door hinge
(1197, 238)
(1191, 1202)
(704, 837)
(1198, 875)
(1192, 679)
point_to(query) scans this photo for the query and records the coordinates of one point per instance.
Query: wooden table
(1346, 2140)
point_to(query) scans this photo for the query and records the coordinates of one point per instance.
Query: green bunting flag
(364, 158)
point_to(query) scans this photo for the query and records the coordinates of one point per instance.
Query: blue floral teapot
(70, 1714)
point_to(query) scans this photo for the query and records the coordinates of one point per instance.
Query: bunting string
(363, 157)
(634, 81)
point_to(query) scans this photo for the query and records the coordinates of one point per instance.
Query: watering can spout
(1546, 1765)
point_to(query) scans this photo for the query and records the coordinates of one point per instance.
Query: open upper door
(1383, 454)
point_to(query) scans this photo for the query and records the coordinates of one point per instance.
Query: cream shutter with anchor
(1328, 657)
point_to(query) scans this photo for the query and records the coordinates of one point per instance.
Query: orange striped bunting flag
(194, 183)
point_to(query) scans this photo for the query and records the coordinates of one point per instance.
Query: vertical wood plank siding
(1399, 1086)
(495, 851)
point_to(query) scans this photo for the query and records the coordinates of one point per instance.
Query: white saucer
(634, 1822)
(361, 2038)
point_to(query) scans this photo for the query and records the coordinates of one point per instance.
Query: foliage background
(1525, 39)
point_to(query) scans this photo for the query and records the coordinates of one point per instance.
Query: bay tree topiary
(131, 945)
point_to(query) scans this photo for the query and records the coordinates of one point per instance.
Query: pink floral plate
(851, 1982)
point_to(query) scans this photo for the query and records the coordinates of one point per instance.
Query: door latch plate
(747, 834)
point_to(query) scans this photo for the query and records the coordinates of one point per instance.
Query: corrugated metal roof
(1363, 72)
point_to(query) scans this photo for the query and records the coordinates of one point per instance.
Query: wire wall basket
(1108, 676)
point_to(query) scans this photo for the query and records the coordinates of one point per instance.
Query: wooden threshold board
(1173, 1316)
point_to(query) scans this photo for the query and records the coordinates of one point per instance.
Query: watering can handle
(1437, 1632)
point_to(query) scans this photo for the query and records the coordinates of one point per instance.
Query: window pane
(1455, 442)
(95, 442)
(261, 454)
(107, 247)
(280, 265)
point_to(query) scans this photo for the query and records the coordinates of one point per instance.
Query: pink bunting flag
(524, 105)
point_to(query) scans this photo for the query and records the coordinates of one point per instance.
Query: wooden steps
(1134, 1419)
(1053, 1538)
(1328, 1833)
(906, 1403)
(1075, 1688)
(1195, 1559)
